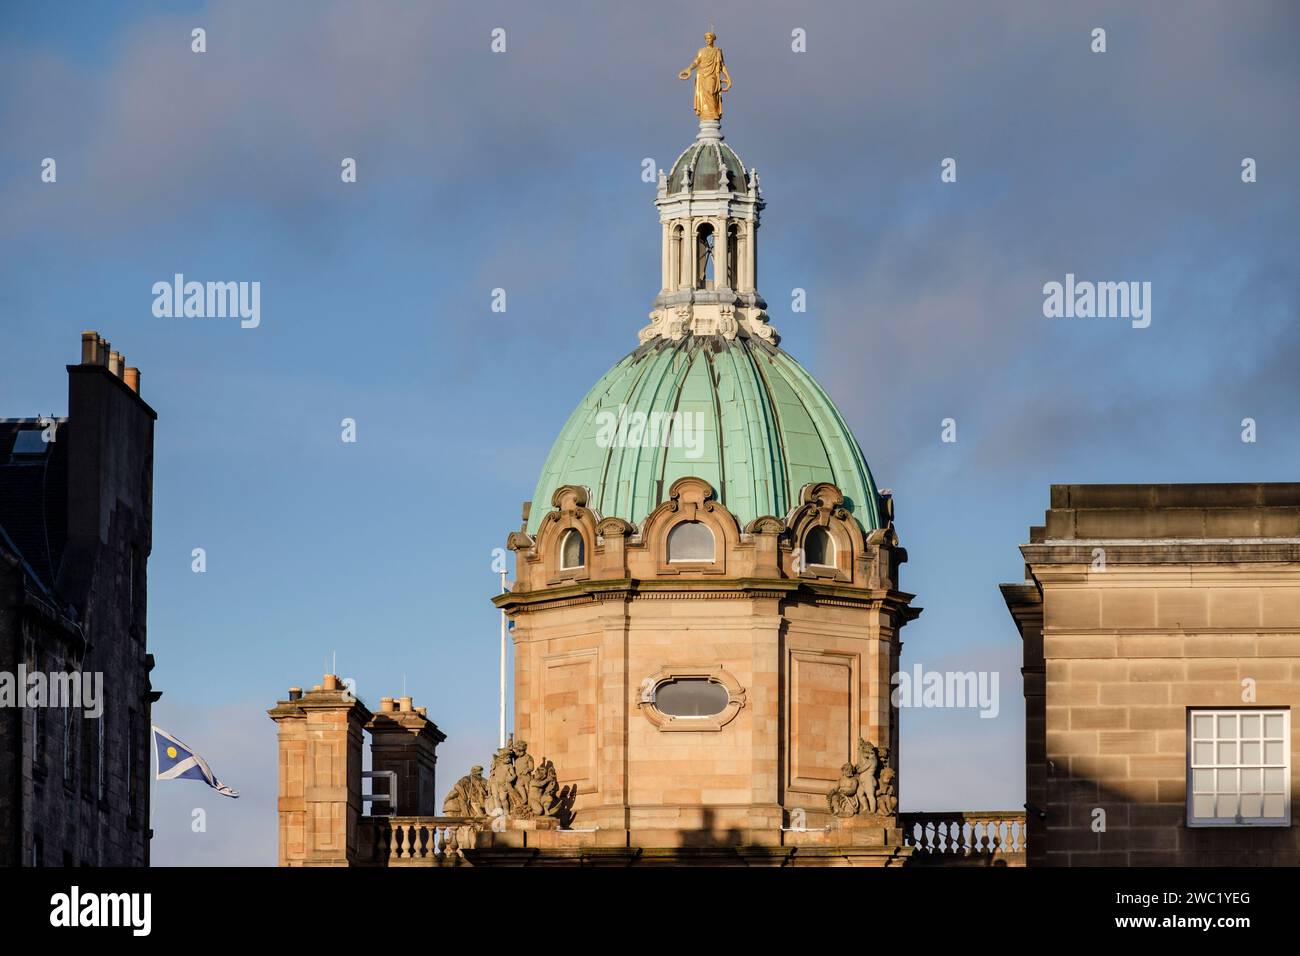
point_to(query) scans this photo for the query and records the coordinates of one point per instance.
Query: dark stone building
(76, 505)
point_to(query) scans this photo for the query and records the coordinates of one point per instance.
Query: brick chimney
(403, 740)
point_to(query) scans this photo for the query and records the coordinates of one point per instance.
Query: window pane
(818, 547)
(691, 697)
(1239, 764)
(690, 541)
(572, 553)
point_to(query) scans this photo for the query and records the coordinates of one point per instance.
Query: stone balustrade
(966, 838)
(955, 838)
(422, 841)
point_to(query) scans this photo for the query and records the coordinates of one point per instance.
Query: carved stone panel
(568, 717)
(822, 704)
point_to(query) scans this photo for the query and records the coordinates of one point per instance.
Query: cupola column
(721, 280)
(751, 258)
(666, 259)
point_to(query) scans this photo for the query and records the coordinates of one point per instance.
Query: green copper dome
(753, 423)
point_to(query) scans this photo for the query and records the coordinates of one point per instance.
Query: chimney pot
(386, 705)
(132, 379)
(295, 693)
(404, 705)
(89, 348)
(331, 682)
(101, 353)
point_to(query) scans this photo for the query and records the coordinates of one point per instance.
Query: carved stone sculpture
(468, 798)
(543, 790)
(517, 787)
(866, 788)
(522, 762)
(868, 766)
(887, 794)
(843, 800)
(501, 783)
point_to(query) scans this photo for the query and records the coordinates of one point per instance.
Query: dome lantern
(709, 210)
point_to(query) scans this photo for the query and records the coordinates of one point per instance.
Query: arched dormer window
(819, 548)
(691, 541)
(573, 552)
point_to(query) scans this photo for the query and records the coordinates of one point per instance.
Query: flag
(176, 761)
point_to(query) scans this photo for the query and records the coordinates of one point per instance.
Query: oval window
(691, 697)
(690, 541)
(818, 548)
(572, 552)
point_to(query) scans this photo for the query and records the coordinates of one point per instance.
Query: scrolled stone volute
(612, 536)
(885, 556)
(765, 535)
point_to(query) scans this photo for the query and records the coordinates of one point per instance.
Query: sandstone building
(75, 534)
(1161, 629)
(707, 609)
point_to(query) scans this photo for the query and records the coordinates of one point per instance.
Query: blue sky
(522, 171)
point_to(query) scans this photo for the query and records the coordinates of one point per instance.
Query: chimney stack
(403, 740)
(321, 742)
(110, 454)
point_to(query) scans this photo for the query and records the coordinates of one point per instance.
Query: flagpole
(502, 742)
(153, 790)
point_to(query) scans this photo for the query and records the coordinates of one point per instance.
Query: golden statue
(710, 74)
